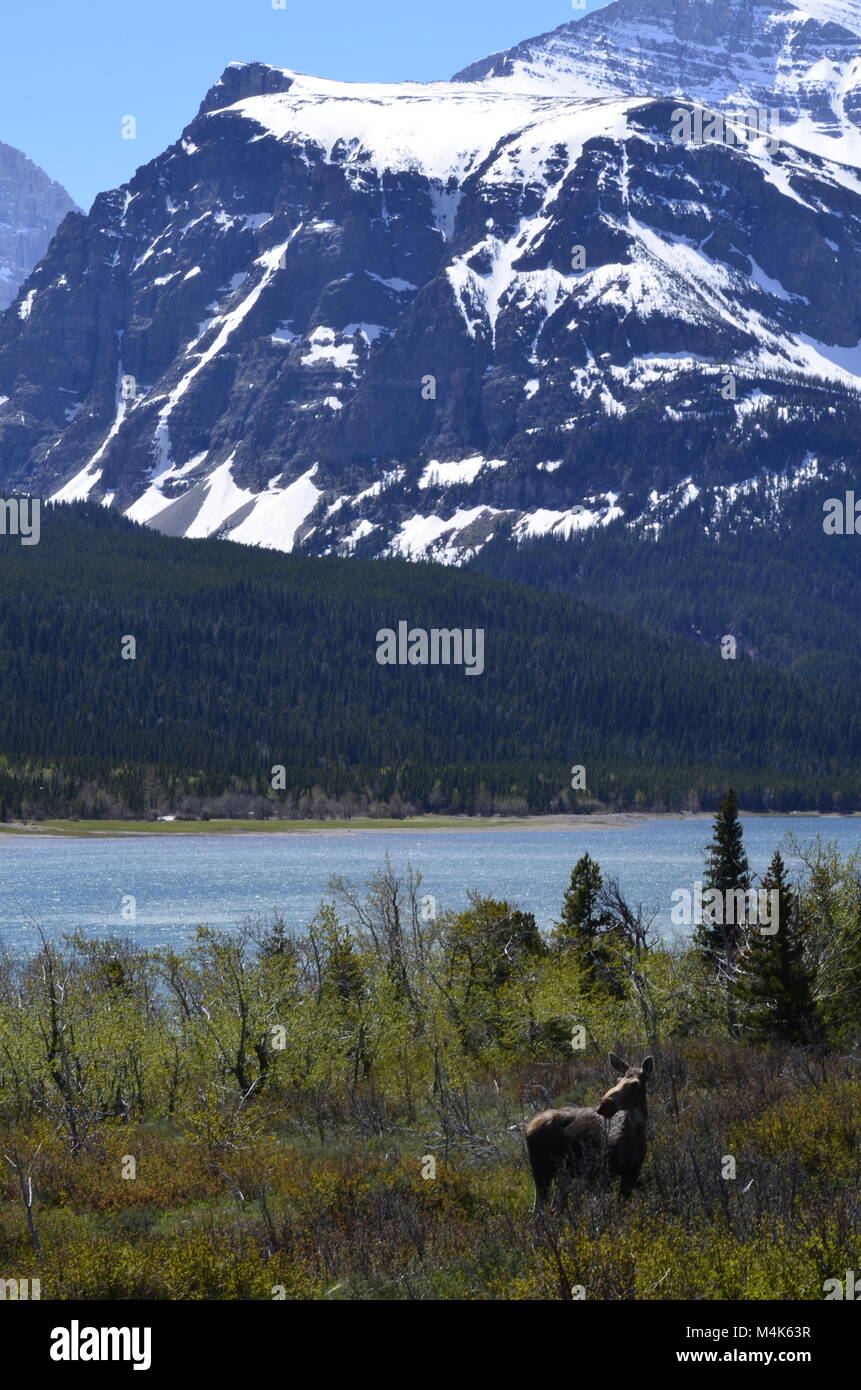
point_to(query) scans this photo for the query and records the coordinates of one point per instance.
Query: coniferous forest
(787, 591)
(245, 661)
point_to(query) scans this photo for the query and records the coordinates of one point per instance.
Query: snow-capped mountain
(404, 318)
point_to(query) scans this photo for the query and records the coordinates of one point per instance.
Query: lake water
(62, 884)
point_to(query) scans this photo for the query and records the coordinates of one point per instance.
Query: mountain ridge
(346, 318)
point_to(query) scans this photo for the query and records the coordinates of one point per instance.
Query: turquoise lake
(61, 885)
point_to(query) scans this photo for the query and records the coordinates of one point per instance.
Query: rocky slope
(31, 208)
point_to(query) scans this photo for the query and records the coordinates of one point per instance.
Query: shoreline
(607, 820)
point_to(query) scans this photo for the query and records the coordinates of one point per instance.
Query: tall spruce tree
(583, 929)
(772, 987)
(727, 873)
(578, 924)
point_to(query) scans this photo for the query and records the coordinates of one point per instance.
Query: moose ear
(617, 1064)
(648, 1066)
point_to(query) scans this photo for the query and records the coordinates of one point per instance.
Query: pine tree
(579, 922)
(727, 872)
(772, 986)
(583, 928)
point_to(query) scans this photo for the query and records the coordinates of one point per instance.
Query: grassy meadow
(331, 1203)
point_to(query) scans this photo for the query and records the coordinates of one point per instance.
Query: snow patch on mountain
(365, 241)
(438, 474)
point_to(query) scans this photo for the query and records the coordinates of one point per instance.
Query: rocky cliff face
(401, 319)
(31, 208)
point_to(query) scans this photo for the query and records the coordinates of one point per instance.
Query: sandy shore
(609, 820)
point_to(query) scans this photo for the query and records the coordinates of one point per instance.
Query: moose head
(630, 1092)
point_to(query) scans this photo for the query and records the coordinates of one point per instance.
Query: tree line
(245, 661)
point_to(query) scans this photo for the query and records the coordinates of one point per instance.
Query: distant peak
(242, 80)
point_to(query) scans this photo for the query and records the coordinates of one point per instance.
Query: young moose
(609, 1141)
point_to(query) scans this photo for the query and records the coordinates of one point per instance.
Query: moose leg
(542, 1174)
(628, 1180)
(563, 1187)
(541, 1195)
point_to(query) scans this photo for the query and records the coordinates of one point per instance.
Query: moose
(601, 1143)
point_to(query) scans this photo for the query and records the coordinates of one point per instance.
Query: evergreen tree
(727, 873)
(583, 929)
(772, 986)
(579, 922)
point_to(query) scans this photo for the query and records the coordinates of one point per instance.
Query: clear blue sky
(72, 69)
